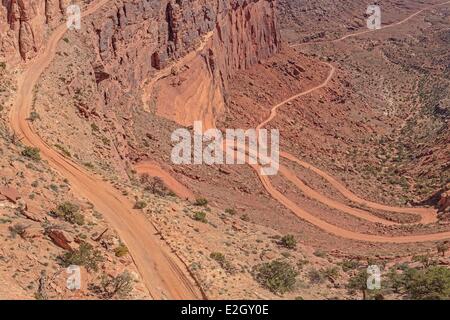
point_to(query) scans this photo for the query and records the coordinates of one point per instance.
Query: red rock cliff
(138, 38)
(23, 25)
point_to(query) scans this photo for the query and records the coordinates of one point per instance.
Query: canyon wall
(208, 38)
(24, 24)
(135, 39)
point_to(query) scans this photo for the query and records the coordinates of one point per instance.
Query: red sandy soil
(164, 275)
(428, 216)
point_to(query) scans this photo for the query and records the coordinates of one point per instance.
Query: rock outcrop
(23, 25)
(211, 39)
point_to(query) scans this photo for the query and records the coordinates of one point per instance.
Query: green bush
(201, 202)
(429, 284)
(200, 216)
(230, 211)
(222, 261)
(358, 282)
(34, 116)
(289, 241)
(277, 276)
(119, 286)
(32, 153)
(348, 265)
(69, 212)
(140, 205)
(85, 256)
(121, 250)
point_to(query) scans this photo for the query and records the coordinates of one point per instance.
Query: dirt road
(359, 33)
(165, 276)
(427, 215)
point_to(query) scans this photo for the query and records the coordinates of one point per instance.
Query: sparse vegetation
(63, 150)
(18, 230)
(139, 205)
(85, 256)
(201, 202)
(348, 265)
(94, 127)
(111, 287)
(230, 211)
(320, 254)
(69, 212)
(289, 241)
(431, 283)
(358, 282)
(443, 247)
(222, 261)
(121, 250)
(33, 116)
(154, 185)
(277, 276)
(32, 153)
(200, 216)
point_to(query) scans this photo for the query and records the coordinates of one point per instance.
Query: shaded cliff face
(139, 38)
(136, 38)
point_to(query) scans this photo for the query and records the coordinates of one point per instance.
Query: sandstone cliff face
(138, 38)
(23, 25)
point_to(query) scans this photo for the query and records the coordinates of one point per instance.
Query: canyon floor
(87, 177)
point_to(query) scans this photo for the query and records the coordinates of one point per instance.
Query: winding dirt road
(427, 215)
(359, 33)
(164, 274)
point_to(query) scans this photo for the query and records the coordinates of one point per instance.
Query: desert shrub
(69, 212)
(230, 211)
(426, 260)
(140, 205)
(289, 241)
(222, 261)
(121, 250)
(95, 127)
(32, 153)
(358, 282)
(348, 265)
(154, 185)
(85, 256)
(320, 254)
(432, 283)
(330, 273)
(315, 276)
(34, 116)
(443, 247)
(63, 150)
(201, 202)
(2, 65)
(277, 276)
(200, 216)
(18, 230)
(119, 286)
